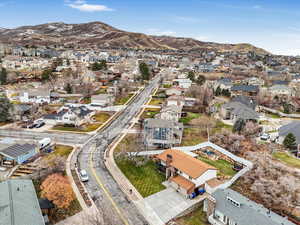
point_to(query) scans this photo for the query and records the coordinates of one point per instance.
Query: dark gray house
(162, 133)
(228, 207)
(293, 127)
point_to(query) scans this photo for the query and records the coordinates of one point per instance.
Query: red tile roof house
(186, 174)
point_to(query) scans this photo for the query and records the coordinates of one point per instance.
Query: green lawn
(193, 136)
(101, 91)
(123, 100)
(84, 128)
(190, 116)
(167, 85)
(156, 101)
(150, 113)
(272, 115)
(101, 117)
(287, 159)
(223, 166)
(62, 150)
(197, 217)
(146, 178)
(219, 126)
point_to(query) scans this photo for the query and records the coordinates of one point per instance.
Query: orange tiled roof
(183, 182)
(191, 166)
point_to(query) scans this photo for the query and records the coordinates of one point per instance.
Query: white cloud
(158, 32)
(82, 5)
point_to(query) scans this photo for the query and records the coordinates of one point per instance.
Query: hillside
(101, 34)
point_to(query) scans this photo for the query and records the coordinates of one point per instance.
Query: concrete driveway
(168, 204)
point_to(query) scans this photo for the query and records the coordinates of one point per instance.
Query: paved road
(102, 187)
(59, 137)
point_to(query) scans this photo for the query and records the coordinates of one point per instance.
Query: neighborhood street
(103, 189)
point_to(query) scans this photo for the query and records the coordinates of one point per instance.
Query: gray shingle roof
(159, 123)
(19, 204)
(248, 213)
(16, 150)
(246, 88)
(241, 111)
(293, 127)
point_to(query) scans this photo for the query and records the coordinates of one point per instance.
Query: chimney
(169, 160)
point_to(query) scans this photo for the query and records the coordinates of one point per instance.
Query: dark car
(31, 126)
(39, 125)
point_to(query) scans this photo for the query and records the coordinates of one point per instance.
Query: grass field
(150, 113)
(156, 101)
(192, 136)
(287, 159)
(190, 116)
(62, 150)
(272, 115)
(101, 117)
(123, 100)
(85, 128)
(223, 166)
(146, 178)
(197, 217)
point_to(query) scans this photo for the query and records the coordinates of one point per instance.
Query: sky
(270, 24)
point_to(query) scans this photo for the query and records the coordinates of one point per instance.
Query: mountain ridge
(102, 34)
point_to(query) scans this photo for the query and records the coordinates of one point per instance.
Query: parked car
(274, 139)
(265, 137)
(83, 176)
(40, 124)
(31, 126)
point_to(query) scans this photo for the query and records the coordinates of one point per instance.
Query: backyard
(197, 217)
(145, 178)
(287, 159)
(190, 116)
(224, 167)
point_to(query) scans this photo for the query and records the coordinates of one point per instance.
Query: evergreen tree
(4, 109)
(144, 70)
(191, 75)
(290, 141)
(46, 75)
(3, 76)
(200, 80)
(218, 91)
(238, 125)
(68, 88)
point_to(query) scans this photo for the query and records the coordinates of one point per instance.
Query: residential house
(70, 115)
(38, 96)
(184, 83)
(281, 91)
(246, 90)
(19, 204)
(293, 127)
(256, 81)
(171, 112)
(176, 100)
(102, 100)
(162, 133)
(17, 153)
(189, 101)
(185, 173)
(236, 110)
(174, 91)
(223, 83)
(228, 207)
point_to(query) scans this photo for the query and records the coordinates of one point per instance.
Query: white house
(102, 100)
(38, 96)
(281, 90)
(183, 83)
(185, 173)
(175, 100)
(171, 112)
(174, 91)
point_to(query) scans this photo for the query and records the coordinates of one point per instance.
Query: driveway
(168, 204)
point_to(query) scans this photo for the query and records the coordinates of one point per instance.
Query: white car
(83, 176)
(264, 137)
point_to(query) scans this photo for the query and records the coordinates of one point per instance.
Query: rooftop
(191, 166)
